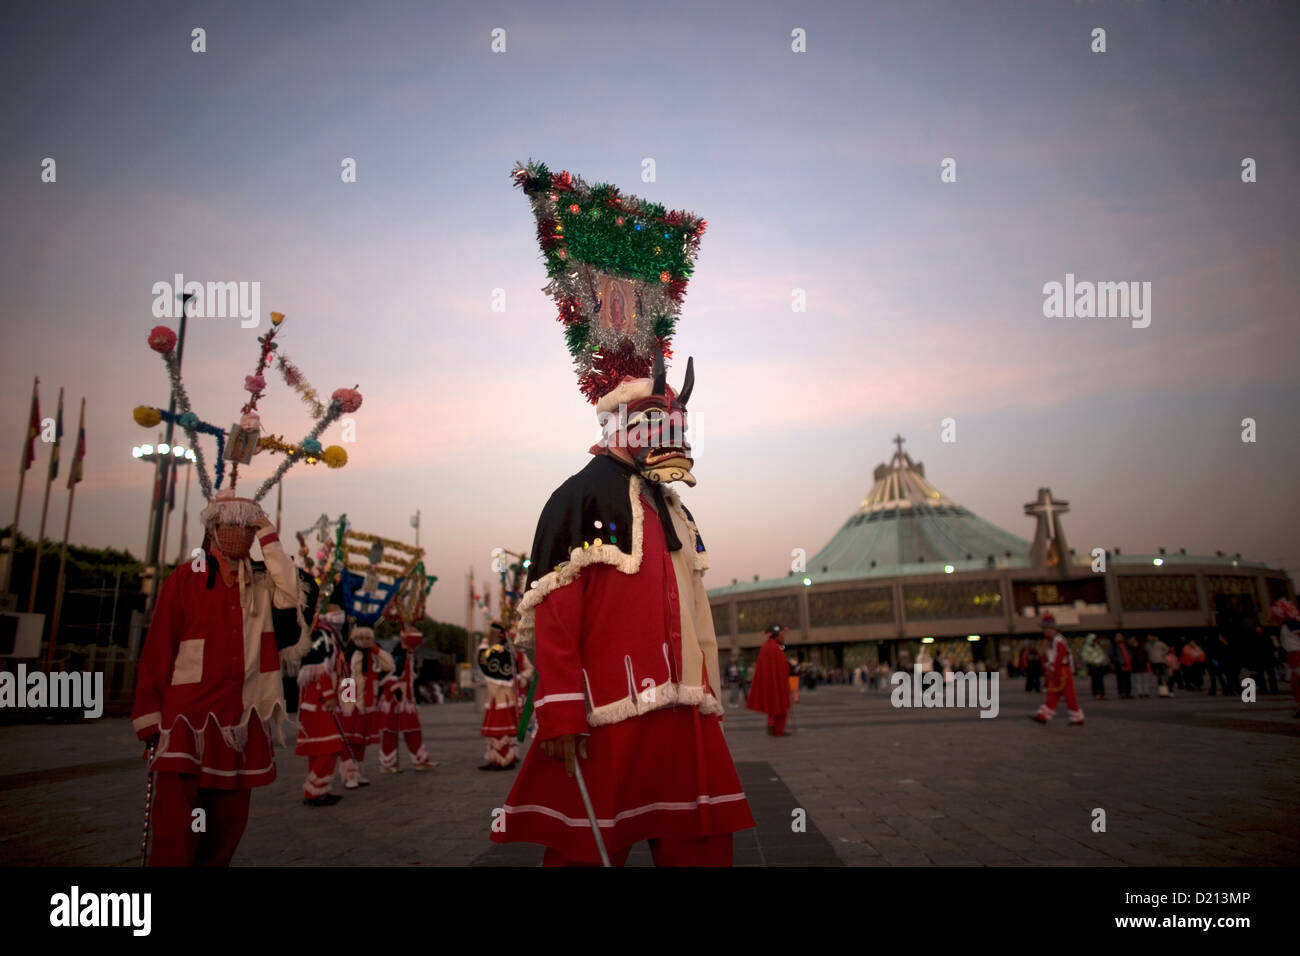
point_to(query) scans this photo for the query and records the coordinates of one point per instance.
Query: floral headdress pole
(618, 269)
(245, 437)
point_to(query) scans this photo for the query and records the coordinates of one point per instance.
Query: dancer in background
(770, 691)
(398, 714)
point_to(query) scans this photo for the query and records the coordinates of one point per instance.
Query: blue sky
(817, 170)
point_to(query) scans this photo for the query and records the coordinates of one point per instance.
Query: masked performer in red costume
(362, 721)
(1060, 676)
(398, 713)
(770, 691)
(505, 682)
(208, 686)
(318, 725)
(615, 607)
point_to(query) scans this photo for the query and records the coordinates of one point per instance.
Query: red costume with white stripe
(625, 652)
(318, 733)
(1060, 681)
(398, 713)
(208, 685)
(501, 710)
(361, 718)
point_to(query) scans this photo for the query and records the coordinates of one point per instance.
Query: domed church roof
(907, 525)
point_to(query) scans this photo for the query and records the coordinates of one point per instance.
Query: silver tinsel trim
(331, 415)
(183, 405)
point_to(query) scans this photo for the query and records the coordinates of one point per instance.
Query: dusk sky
(817, 171)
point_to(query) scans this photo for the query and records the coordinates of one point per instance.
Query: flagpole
(22, 479)
(45, 508)
(67, 525)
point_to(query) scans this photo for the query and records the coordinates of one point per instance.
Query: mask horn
(661, 377)
(688, 383)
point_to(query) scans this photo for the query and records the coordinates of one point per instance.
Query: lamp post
(177, 456)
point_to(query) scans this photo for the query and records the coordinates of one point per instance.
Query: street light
(178, 455)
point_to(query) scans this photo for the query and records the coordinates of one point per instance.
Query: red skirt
(362, 727)
(500, 721)
(317, 732)
(241, 763)
(399, 718)
(667, 773)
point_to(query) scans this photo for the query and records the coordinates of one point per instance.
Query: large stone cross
(1049, 539)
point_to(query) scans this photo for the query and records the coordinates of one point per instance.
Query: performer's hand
(329, 706)
(149, 744)
(566, 748)
(262, 523)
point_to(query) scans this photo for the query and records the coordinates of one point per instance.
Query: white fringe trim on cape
(655, 698)
(236, 736)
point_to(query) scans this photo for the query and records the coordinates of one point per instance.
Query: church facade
(911, 567)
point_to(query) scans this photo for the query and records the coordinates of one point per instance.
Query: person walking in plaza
(1033, 665)
(1060, 676)
(1122, 661)
(1141, 668)
(770, 692)
(1263, 661)
(1286, 615)
(1193, 661)
(208, 687)
(1094, 657)
(1218, 664)
(1156, 651)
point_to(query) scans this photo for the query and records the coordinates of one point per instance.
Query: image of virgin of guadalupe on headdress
(619, 304)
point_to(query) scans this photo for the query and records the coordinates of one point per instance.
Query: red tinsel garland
(610, 368)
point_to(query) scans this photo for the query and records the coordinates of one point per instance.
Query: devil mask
(655, 429)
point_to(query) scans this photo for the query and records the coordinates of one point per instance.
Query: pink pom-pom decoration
(348, 398)
(162, 339)
(251, 421)
(255, 384)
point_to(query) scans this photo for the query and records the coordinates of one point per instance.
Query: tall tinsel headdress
(246, 436)
(618, 267)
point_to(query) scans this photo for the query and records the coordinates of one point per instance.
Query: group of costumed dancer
(209, 700)
(623, 681)
(378, 706)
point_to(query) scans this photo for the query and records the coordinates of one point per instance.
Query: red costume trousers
(665, 851)
(320, 771)
(173, 840)
(388, 747)
(1054, 694)
(776, 722)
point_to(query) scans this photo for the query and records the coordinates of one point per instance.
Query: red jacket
(609, 642)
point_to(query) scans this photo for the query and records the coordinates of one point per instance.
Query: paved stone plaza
(1191, 781)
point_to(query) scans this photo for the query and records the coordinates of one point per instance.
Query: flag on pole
(74, 473)
(33, 427)
(58, 439)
